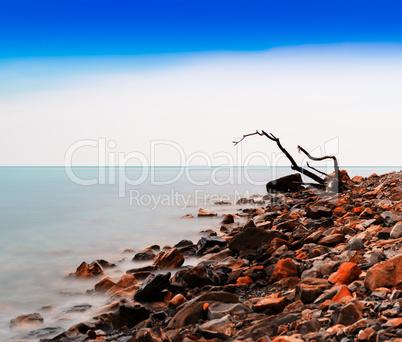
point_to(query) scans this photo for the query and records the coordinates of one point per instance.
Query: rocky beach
(299, 265)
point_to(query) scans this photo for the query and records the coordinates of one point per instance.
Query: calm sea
(50, 222)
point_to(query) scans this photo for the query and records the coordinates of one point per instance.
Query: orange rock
(283, 269)
(325, 305)
(205, 306)
(372, 176)
(346, 273)
(169, 259)
(125, 282)
(357, 179)
(301, 255)
(396, 197)
(339, 211)
(385, 274)
(343, 296)
(293, 338)
(358, 210)
(397, 322)
(92, 270)
(177, 300)
(275, 304)
(104, 285)
(244, 280)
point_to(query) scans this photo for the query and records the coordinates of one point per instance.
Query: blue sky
(313, 72)
(97, 27)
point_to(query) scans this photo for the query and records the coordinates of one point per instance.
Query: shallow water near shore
(50, 224)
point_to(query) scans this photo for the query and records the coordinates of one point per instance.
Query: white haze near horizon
(338, 99)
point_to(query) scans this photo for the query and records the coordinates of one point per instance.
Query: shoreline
(298, 266)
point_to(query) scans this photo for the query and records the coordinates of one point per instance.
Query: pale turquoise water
(49, 224)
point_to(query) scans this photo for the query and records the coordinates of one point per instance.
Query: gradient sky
(199, 73)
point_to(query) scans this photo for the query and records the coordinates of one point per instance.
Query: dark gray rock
(286, 184)
(152, 287)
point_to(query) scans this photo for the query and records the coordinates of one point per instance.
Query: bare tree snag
(294, 166)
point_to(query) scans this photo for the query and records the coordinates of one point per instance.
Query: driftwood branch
(336, 166)
(318, 171)
(293, 163)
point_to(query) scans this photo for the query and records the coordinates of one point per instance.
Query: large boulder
(385, 274)
(286, 184)
(252, 238)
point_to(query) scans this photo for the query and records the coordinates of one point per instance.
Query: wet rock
(317, 212)
(152, 287)
(30, 319)
(144, 255)
(191, 313)
(94, 269)
(218, 296)
(385, 274)
(396, 231)
(219, 310)
(126, 282)
(275, 304)
(129, 315)
(169, 259)
(79, 308)
(330, 240)
(285, 184)
(196, 276)
(210, 241)
(349, 314)
(346, 273)
(354, 244)
(283, 269)
(309, 293)
(104, 285)
(252, 238)
(178, 300)
(203, 213)
(221, 325)
(228, 219)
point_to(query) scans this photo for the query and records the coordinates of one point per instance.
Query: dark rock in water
(210, 241)
(129, 315)
(92, 270)
(183, 243)
(152, 287)
(228, 219)
(197, 276)
(105, 264)
(31, 319)
(144, 255)
(47, 332)
(317, 212)
(79, 308)
(191, 313)
(286, 184)
(150, 268)
(169, 259)
(252, 238)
